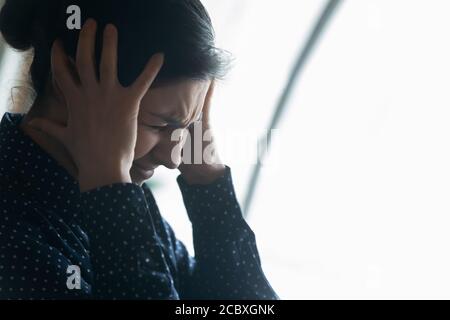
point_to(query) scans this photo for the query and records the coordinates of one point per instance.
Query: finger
(50, 128)
(145, 80)
(60, 66)
(86, 53)
(73, 70)
(108, 64)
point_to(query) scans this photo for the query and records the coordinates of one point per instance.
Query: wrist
(89, 180)
(203, 173)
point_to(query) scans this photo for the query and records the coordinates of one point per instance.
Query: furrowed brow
(170, 120)
(176, 123)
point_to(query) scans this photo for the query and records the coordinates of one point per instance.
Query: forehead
(179, 100)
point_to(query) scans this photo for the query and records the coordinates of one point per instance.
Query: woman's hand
(211, 168)
(101, 129)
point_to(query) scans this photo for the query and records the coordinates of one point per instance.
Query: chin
(139, 177)
(138, 181)
(140, 184)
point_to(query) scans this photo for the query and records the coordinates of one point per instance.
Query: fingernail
(57, 42)
(90, 23)
(160, 56)
(108, 28)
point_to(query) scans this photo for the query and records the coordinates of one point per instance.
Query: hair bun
(16, 22)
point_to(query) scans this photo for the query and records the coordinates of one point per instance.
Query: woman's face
(163, 110)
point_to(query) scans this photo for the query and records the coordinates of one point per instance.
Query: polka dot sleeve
(127, 254)
(227, 263)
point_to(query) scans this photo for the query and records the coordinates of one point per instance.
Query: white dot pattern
(116, 235)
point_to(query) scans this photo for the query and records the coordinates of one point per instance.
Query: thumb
(46, 126)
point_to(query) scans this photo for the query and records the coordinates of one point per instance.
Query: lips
(145, 173)
(144, 169)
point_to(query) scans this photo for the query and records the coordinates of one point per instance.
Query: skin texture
(104, 133)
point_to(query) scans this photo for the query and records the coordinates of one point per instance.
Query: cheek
(145, 142)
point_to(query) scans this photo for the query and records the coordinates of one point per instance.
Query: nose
(168, 151)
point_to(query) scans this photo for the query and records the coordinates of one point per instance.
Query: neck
(51, 108)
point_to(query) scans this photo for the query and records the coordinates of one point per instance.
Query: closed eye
(155, 128)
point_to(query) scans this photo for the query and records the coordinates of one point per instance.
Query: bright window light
(360, 208)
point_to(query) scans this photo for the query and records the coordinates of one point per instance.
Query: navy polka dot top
(112, 242)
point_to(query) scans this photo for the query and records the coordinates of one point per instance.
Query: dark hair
(182, 29)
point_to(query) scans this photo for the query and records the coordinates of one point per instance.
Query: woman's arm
(34, 258)
(126, 252)
(100, 135)
(121, 258)
(227, 263)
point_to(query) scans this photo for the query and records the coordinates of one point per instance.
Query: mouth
(146, 173)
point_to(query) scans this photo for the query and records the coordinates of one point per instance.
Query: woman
(76, 220)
